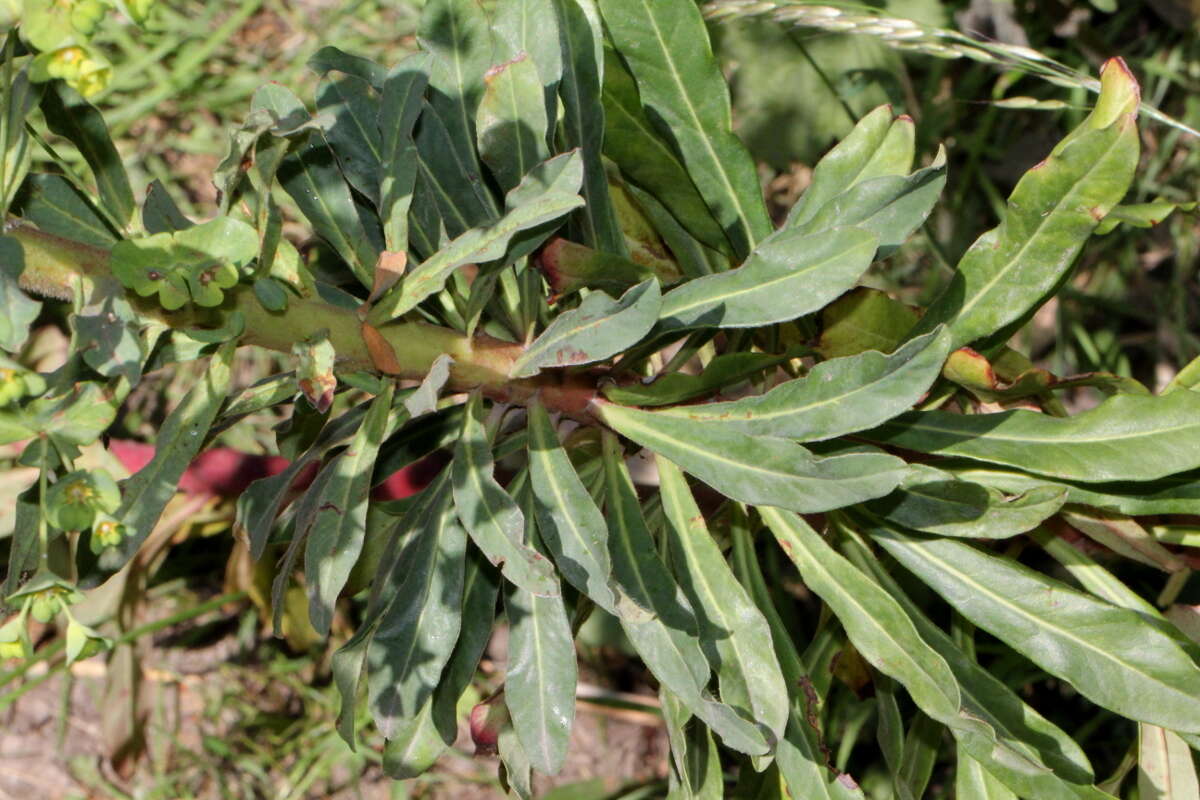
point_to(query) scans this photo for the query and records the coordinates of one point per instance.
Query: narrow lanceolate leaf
(733, 632)
(55, 206)
(539, 681)
(877, 626)
(416, 636)
(1013, 268)
(668, 640)
(879, 145)
(598, 328)
(759, 470)
(399, 107)
(1125, 438)
(1031, 755)
(580, 36)
(259, 505)
(891, 207)
(723, 371)
(570, 524)
(146, 493)
(1166, 770)
(541, 204)
(511, 121)
(418, 742)
(972, 780)
(453, 180)
(489, 514)
(1174, 494)
(1122, 663)
(531, 26)
(666, 46)
(789, 275)
(458, 34)
(350, 108)
(933, 501)
(16, 155)
(312, 178)
(695, 761)
(839, 396)
(646, 159)
(78, 121)
(335, 537)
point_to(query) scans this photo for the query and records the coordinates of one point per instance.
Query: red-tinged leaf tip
(1119, 94)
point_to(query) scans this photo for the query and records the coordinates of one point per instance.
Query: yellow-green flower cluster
(61, 31)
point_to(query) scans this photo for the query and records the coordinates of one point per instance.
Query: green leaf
(259, 504)
(581, 37)
(330, 58)
(312, 178)
(879, 145)
(1035, 757)
(756, 469)
(107, 335)
(724, 371)
(78, 121)
(598, 328)
(666, 46)
(511, 121)
(790, 274)
(451, 178)
(349, 108)
(875, 623)
(695, 760)
(335, 537)
(416, 636)
(1015, 267)
(418, 743)
(839, 396)
(646, 159)
(1166, 769)
(17, 310)
(458, 35)
(1121, 663)
(891, 207)
(571, 526)
(179, 439)
(972, 780)
(489, 514)
(20, 97)
(541, 204)
(160, 214)
(399, 108)
(56, 206)
(531, 26)
(1127, 437)
(540, 677)
(864, 319)
(933, 501)
(667, 641)
(734, 634)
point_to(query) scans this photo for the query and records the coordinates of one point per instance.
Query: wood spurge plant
(540, 250)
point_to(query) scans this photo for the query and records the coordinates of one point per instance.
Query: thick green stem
(58, 267)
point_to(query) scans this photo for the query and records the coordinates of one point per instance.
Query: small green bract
(196, 264)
